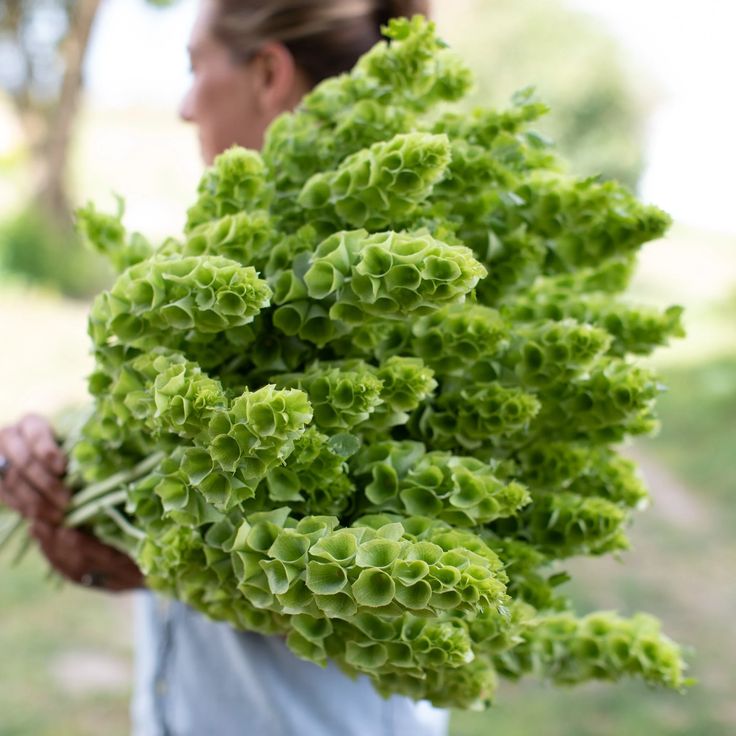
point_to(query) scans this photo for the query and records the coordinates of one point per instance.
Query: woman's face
(226, 99)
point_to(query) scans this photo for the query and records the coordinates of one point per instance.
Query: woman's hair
(325, 37)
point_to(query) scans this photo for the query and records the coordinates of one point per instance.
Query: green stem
(54, 578)
(97, 490)
(9, 531)
(236, 362)
(20, 553)
(124, 525)
(91, 509)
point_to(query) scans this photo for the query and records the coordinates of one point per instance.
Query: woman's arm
(32, 485)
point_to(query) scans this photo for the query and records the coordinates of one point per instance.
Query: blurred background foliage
(599, 102)
(35, 247)
(598, 109)
(43, 46)
(66, 664)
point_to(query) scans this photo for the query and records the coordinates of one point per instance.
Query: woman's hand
(32, 485)
(82, 558)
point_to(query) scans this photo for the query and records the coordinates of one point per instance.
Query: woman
(251, 60)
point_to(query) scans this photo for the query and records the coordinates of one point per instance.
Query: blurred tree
(43, 44)
(599, 103)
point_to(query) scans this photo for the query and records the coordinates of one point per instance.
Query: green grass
(592, 710)
(44, 627)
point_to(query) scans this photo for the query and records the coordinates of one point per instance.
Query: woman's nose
(186, 108)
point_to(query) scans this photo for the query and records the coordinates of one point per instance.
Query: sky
(685, 46)
(688, 47)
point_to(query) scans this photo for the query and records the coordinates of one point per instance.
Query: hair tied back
(402, 8)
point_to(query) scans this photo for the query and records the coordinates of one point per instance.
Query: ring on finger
(92, 580)
(4, 466)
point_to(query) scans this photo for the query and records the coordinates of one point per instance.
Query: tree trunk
(52, 192)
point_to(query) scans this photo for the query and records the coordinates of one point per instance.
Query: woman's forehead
(201, 36)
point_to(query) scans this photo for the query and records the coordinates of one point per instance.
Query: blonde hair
(325, 37)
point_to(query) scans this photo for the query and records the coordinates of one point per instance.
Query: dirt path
(672, 501)
(679, 568)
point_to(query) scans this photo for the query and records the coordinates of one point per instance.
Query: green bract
(369, 399)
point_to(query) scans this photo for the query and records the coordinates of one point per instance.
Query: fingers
(24, 445)
(120, 572)
(32, 486)
(40, 438)
(48, 462)
(46, 484)
(64, 557)
(20, 495)
(125, 580)
(14, 447)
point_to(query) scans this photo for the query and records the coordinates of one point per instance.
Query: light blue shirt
(196, 677)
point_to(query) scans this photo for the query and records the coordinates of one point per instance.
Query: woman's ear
(278, 83)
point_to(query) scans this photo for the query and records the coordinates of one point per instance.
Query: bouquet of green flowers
(370, 399)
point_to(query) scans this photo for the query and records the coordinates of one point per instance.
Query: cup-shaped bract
(341, 396)
(380, 186)
(237, 181)
(244, 237)
(391, 275)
